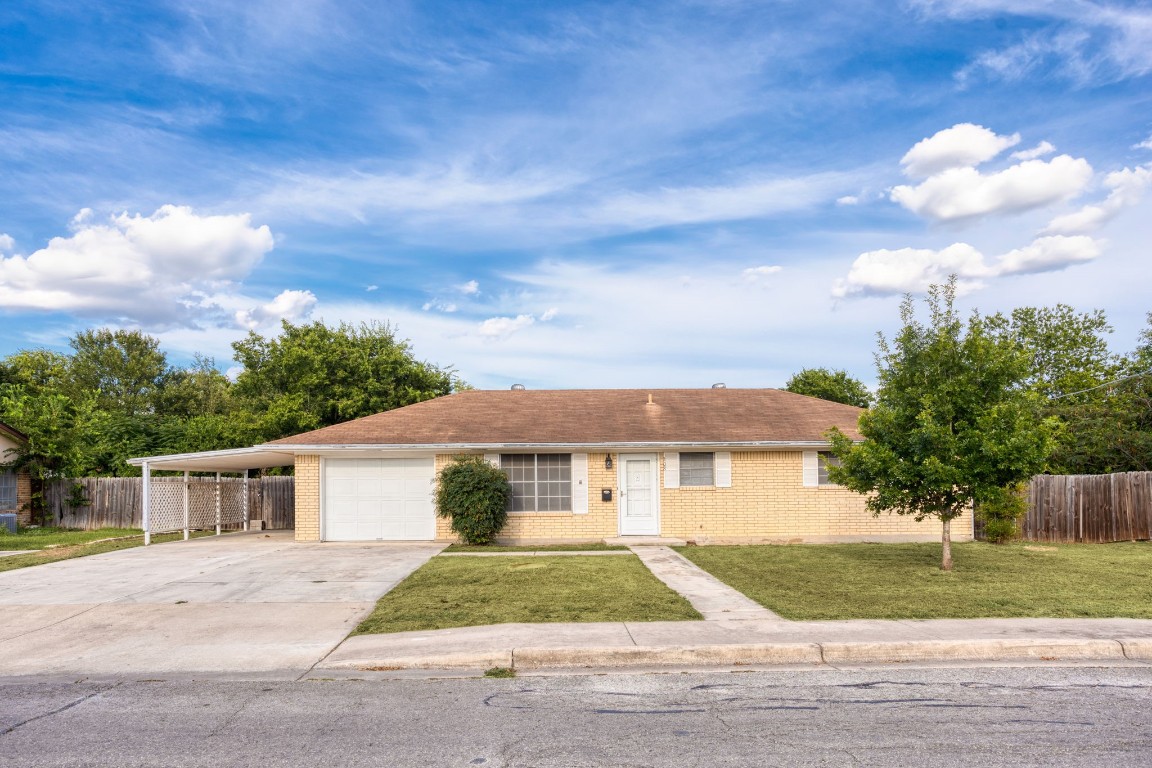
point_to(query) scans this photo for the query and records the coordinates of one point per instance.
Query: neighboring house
(710, 466)
(15, 487)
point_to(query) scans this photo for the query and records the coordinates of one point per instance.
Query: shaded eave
(230, 460)
(282, 455)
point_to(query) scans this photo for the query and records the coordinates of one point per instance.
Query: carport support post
(146, 502)
(245, 499)
(185, 505)
(217, 503)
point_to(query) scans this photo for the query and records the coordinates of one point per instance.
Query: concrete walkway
(715, 600)
(254, 602)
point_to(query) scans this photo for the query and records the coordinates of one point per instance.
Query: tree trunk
(946, 545)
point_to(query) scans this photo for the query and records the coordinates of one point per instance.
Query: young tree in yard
(952, 423)
(836, 386)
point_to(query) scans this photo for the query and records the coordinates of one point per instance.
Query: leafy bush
(474, 495)
(1002, 513)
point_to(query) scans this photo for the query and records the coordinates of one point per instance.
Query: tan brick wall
(307, 498)
(769, 502)
(553, 526)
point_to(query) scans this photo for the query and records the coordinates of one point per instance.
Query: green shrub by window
(474, 495)
(1002, 514)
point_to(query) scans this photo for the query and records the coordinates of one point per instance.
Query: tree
(1069, 360)
(312, 376)
(125, 369)
(836, 386)
(952, 424)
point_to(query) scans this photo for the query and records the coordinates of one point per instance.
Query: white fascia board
(779, 445)
(228, 460)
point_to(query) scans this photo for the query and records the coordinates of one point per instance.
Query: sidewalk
(748, 642)
(738, 632)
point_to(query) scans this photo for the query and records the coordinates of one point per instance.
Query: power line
(1105, 384)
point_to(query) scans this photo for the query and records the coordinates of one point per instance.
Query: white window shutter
(722, 467)
(671, 470)
(811, 469)
(493, 459)
(579, 483)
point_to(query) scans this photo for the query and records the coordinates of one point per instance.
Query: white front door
(639, 495)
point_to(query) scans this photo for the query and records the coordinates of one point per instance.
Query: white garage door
(378, 500)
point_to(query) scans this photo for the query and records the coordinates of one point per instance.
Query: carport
(198, 503)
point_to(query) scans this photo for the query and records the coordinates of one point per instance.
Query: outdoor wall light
(608, 461)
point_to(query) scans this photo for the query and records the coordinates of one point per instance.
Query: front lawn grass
(904, 581)
(39, 538)
(473, 591)
(591, 546)
(85, 547)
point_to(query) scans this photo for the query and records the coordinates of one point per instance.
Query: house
(15, 486)
(706, 465)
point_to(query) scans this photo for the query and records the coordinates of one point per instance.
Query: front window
(540, 482)
(696, 469)
(827, 459)
(7, 489)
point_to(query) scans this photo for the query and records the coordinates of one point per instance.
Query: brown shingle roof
(596, 417)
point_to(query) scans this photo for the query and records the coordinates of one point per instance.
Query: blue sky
(570, 194)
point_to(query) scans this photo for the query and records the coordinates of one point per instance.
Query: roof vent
(720, 385)
(517, 387)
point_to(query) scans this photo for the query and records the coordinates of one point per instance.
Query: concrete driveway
(255, 602)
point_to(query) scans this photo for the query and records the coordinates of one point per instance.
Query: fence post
(146, 502)
(186, 505)
(217, 503)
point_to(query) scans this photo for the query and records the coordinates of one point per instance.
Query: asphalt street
(880, 716)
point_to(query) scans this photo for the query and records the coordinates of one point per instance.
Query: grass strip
(56, 553)
(591, 546)
(903, 581)
(474, 591)
(40, 538)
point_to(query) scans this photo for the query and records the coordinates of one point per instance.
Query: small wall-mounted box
(605, 494)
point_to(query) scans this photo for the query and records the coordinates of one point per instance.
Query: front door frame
(622, 484)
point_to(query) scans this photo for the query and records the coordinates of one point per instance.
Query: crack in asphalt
(58, 710)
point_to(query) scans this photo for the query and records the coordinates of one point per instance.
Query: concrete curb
(771, 654)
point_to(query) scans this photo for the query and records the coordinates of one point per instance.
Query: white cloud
(848, 200)
(503, 327)
(1040, 150)
(439, 306)
(137, 268)
(1127, 188)
(912, 270)
(549, 314)
(370, 288)
(1046, 254)
(1146, 144)
(962, 193)
(756, 274)
(7, 244)
(963, 144)
(885, 272)
(1088, 43)
(289, 305)
(470, 288)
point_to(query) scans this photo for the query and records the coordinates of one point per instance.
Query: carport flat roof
(230, 460)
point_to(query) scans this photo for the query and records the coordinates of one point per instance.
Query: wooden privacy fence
(115, 502)
(1089, 508)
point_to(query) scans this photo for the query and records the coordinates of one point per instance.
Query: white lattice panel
(167, 503)
(166, 511)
